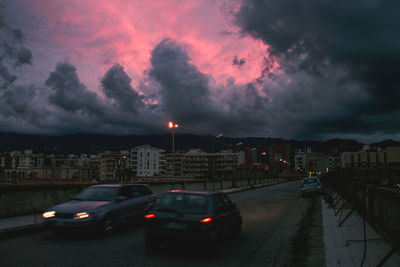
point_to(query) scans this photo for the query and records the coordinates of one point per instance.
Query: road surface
(271, 220)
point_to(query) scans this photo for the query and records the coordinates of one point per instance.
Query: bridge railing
(374, 193)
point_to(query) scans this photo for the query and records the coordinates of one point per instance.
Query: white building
(148, 160)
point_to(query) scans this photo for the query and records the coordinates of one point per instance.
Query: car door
(148, 197)
(132, 204)
(123, 206)
(138, 201)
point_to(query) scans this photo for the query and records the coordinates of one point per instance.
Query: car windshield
(97, 194)
(182, 203)
(310, 181)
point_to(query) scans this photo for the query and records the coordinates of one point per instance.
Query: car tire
(107, 226)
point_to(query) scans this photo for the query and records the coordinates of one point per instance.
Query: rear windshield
(310, 181)
(182, 203)
(97, 194)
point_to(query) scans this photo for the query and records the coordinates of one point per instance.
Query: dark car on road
(190, 217)
(101, 208)
(311, 185)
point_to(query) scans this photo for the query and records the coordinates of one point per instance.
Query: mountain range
(86, 143)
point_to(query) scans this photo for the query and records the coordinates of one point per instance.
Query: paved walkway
(21, 222)
(344, 245)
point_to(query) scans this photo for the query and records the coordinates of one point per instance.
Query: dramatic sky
(311, 69)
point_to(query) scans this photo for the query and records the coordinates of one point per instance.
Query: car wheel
(107, 226)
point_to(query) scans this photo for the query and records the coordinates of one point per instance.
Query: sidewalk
(14, 224)
(344, 245)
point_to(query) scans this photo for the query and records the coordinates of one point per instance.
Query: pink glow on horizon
(96, 34)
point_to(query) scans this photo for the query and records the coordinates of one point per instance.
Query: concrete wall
(17, 200)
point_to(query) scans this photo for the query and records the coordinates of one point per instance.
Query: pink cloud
(94, 34)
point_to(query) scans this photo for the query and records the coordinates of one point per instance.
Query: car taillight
(206, 220)
(150, 216)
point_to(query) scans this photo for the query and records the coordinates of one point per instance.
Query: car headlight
(49, 214)
(81, 215)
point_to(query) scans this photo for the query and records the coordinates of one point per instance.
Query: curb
(20, 230)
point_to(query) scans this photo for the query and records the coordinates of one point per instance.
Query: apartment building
(115, 166)
(200, 164)
(374, 157)
(317, 162)
(195, 163)
(147, 161)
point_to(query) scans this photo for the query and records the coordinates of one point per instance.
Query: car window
(225, 200)
(183, 203)
(222, 203)
(218, 202)
(97, 194)
(125, 191)
(310, 181)
(136, 191)
(146, 190)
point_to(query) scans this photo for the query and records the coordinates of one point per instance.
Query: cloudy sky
(311, 69)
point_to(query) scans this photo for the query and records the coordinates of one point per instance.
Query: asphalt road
(271, 217)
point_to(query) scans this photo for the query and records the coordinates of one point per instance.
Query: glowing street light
(173, 125)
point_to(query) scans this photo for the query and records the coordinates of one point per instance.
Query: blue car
(101, 208)
(311, 185)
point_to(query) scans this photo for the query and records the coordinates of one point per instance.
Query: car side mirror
(121, 198)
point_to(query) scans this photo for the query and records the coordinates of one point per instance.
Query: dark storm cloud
(23, 56)
(69, 93)
(75, 108)
(185, 93)
(23, 109)
(17, 103)
(117, 86)
(7, 77)
(359, 37)
(13, 53)
(188, 96)
(238, 62)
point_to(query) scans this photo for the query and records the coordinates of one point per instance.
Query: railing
(373, 193)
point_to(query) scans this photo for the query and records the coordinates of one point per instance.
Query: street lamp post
(237, 164)
(173, 125)
(214, 161)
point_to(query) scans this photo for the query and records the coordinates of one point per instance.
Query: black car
(101, 208)
(191, 216)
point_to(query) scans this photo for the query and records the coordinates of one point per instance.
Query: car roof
(312, 177)
(116, 185)
(194, 192)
